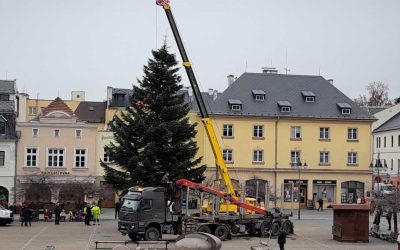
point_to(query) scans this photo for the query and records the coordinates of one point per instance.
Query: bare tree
(389, 203)
(378, 94)
(362, 101)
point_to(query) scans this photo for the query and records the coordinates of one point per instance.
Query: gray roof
(234, 101)
(391, 124)
(258, 92)
(344, 105)
(289, 88)
(7, 87)
(284, 104)
(7, 106)
(308, 93)
(92, 112)
(128, 92)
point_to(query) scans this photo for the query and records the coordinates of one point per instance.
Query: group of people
(92, 213)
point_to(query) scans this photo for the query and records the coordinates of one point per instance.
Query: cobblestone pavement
(313, 231)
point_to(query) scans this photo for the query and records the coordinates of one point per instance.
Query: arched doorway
(256, 188)
(4, 194)
(351, 191)
(38, 193)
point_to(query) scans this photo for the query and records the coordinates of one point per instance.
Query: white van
(6, 216)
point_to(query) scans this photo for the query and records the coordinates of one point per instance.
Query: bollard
(198, 241)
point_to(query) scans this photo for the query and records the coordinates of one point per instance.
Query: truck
(149, 212)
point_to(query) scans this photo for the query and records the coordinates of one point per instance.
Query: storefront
(325, 190)
(351, 191)
(291, 191)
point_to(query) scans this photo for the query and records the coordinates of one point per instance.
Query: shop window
(325, 191)
(351, 191)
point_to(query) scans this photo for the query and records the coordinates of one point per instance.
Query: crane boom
(219, 160)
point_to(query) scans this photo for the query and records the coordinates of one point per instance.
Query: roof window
(344, 107)
(258, 94)
(236, 105)
(308, 96)
(285, 106)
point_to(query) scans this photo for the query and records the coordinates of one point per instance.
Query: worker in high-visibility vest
(96, 214)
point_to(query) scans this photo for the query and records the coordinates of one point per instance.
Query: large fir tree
(153, 136)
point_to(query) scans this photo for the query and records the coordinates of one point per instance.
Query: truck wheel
(287, 226)
(133, 237)
(275, 228)
(221, 232)
(204, 229)
(152, 234)
(265, 228)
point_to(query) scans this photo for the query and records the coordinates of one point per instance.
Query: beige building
(57, 156)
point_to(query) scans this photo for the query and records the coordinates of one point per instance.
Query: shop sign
(324, 182)
(55, 172)
(295, 181)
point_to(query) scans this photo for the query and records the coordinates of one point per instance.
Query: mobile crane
(145, 212)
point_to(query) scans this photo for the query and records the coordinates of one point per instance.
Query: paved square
(313, 231)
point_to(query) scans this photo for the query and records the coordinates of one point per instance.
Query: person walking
(389, 218)
(88, 214)
(57, 212)
(282, 239)
(117, 207)
(321, 204)
(96, 214)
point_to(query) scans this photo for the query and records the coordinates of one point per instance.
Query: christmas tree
(153, 136)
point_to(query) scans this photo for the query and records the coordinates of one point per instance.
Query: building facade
(8, 140)
(57, 157)
(292, 139)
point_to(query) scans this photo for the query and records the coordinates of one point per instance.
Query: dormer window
(285, 106)
(258, 94)
(308, 96)
(236, 105)
(345, 108)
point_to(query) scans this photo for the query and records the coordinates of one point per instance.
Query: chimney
(267, 70)
(215, 95)
(210, 91)
(330, 81)
(231, 79)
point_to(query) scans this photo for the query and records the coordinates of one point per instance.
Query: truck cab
(145, 213)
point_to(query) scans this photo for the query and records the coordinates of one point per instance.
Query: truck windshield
(130, 205)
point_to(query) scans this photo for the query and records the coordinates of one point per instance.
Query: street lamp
(377, 167)
(297, 164)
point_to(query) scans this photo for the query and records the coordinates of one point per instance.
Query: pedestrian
(57, 212)
(389, 218)
(321, 204)
(362, 199)
(372, 207)
(88, 214)
(96, 214)
(282, 239)
(46, 214)
(27, 216)
(117, 206)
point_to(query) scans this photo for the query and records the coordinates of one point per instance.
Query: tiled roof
(7, 87)
(391, 124)
(93, 112)
(286, 88)
(7, 106)
(57, 105)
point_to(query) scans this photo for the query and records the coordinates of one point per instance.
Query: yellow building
(283, 132)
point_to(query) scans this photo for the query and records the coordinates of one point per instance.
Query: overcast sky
(53, 47)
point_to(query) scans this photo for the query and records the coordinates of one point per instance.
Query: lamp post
(299, 166)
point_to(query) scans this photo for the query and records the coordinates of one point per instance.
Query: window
(35, 132)
(351, 190)
(352, 134)
(146, 204)
(391, 164)
(2, 158)
(323, 133)
(379, 140)
(56, 132)
(285, 109)
(80, 158)
(294, 157)
(323, 157)
(258, 131)
(31, 157)
(228, 130)
(78, 133)
(106, 156)
(227, 154)
(310, 99)
(295, 132)
(258, 156)
(398, 140)
(346, 111)
(2, 128)
(392, 141)
(352, 158)
(260, 98)
(32, 110)
(236, 107)
(55, 157)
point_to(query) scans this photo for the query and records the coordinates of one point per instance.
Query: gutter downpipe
(276, 160)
